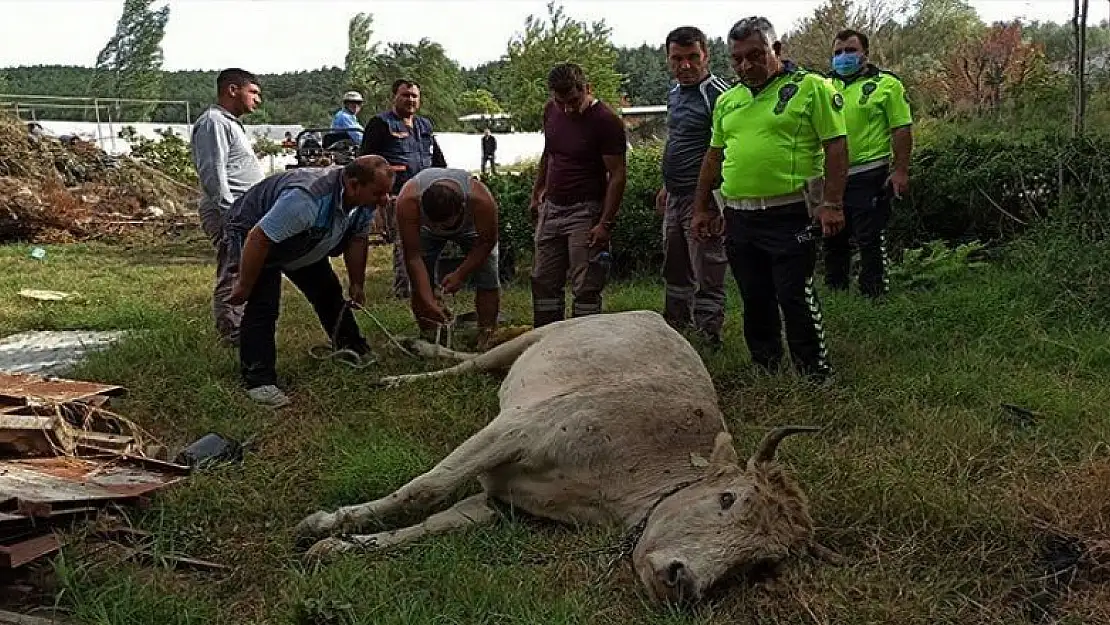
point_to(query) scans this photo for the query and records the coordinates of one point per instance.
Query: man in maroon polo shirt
(578, 190)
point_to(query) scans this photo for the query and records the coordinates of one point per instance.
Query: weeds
(941, 502)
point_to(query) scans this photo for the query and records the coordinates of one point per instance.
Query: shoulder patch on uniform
(838, 101)
(786, 92)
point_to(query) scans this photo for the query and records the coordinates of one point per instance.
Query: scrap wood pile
(64, 456)
(54, 190)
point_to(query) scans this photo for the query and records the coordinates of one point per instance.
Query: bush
(637, 238)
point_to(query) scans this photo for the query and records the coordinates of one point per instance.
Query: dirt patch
(1070, 515)
(55, 190)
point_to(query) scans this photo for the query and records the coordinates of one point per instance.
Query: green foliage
(935, 264)
(545, 44)
(994, 185)
(636, 238)
(130, 64)
(439, 77)
(170, 155)
(478, 101)
(360, 62)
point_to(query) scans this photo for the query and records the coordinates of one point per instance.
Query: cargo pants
(227, 316)
(866, 214)
(562, 248)
(773, 253)
(694, 272)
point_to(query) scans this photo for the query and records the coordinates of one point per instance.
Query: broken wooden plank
(42, 486)
(23, 551)
(19, 387)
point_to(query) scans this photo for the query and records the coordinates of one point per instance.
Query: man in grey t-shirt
(694, 271)
(227, 167)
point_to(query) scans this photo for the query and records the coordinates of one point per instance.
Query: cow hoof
(312, 527)
(389, 381)
(327, 548)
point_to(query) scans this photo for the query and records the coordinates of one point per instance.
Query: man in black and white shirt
(694, 270)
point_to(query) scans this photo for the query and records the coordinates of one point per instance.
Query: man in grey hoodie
(227, 168)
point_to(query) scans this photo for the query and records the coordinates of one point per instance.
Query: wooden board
(17, 388)
(43, 486)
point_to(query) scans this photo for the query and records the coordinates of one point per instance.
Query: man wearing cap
(408, 142)
(347, 117)
(778, 147)
(880, 139)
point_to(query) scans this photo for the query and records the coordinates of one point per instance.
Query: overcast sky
(270, 36)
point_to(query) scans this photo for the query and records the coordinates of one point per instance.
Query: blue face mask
(847, 63)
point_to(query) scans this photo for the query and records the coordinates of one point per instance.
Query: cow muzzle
(673, 582)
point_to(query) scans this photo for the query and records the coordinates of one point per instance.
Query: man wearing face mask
(576, 195)
(694, 271)
(777, 137)
(880, 139)
(408, 142)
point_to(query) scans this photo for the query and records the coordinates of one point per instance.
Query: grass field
(948, 509)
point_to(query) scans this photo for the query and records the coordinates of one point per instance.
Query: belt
(760, 203)
(859, 169)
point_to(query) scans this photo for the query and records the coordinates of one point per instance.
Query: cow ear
(723, 451)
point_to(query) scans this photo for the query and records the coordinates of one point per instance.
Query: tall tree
(130, 64)
(985, 68)
(361, 60)
(547, 43)
(810, 41)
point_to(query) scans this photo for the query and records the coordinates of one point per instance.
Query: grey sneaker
(269, 395)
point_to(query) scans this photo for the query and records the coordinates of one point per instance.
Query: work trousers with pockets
(773, 254)
(401, 288)
(257, 343)
(227, 316)
(562, 247)
(866, 214)
(694, 272)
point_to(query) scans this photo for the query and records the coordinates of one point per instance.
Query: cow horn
(766, 450)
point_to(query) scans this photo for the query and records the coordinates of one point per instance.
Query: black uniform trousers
(866, 214)
(773, 255)
(257, 341)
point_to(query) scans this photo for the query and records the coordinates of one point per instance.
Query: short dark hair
(364, 168)
(686, 36)
(441, 202)
(234, 76)
(848, 33)
(749, 26)
(566, 77)
(402, 82)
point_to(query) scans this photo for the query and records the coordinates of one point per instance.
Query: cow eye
(727, 499)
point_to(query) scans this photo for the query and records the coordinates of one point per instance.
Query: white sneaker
(269, 395)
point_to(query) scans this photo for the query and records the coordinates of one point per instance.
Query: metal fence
(28, 107)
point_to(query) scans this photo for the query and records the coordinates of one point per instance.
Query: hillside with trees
(952, 62)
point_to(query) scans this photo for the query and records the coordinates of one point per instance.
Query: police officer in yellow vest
(880, 139)
(778, 136)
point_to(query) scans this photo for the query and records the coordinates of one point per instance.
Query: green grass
(920, 478)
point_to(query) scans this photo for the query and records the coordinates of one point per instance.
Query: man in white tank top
(440, 205)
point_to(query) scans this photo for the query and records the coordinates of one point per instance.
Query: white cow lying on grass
(605, 419)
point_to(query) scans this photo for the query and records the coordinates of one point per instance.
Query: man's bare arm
(708, 179)
(255, 250)
(902, 140)
(836, 170)
(540, 185)
(617, 167)
(408, 226)
(485, 222)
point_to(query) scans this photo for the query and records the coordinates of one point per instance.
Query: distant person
(291, 223)
(578, 190)
(288, 142)
(694, 271)
(408, 142)
(226, 165)
(489, 149)
(880, 139)
(347, 117)
(438, 206)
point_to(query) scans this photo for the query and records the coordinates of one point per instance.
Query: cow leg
(472, 511)
(500, 357)
(425, 493)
